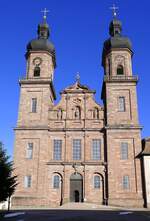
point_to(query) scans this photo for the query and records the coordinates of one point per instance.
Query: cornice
(123, 127)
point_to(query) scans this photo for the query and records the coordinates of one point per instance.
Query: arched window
(77, 113)
(56, 182)
(95, 113)
(37, 71)
(120, 70)
(97, 182)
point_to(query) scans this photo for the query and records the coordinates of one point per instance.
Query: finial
(45, 11)
(78, 77)
(114, 10)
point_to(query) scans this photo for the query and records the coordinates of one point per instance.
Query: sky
(78, 30)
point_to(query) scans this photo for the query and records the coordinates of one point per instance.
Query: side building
(77, 150)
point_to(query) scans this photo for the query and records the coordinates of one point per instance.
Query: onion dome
(116, 39)
(42, 43)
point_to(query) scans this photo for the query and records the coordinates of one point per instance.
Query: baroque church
(77, 150)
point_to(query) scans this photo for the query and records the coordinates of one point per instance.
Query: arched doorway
(76, 188)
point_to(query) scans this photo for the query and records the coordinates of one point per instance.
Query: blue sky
(78, 30)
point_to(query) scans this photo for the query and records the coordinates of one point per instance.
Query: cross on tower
(45, 11)
(78, 76)
(114, 10)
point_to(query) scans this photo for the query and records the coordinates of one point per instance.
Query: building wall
(146, 160)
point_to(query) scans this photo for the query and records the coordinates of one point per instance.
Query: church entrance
(76, 188)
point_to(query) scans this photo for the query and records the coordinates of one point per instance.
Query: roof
(116, 40)
(42, 43)
(146, 146)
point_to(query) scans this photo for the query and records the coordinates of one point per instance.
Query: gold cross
(114, 10)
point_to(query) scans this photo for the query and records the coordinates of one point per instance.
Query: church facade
(77, 150)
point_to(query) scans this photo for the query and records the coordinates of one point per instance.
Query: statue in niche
(77, 112)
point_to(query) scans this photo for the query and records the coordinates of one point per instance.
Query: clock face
(37, 61)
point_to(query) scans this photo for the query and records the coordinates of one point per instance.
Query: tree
(8, 182)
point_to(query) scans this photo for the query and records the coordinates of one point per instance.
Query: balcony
(120, 78)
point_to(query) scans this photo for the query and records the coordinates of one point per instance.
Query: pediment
(77, 87)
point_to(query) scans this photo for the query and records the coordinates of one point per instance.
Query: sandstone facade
(77, 150)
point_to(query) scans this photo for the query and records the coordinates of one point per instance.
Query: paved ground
(77, 212)
(80, 215)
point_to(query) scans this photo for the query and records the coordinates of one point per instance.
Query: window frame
(76, 149)
(126, 182)
(56, 183)
(97, 183)
(124, 147)
(29, 151)
(95, 150)
(27, 181)
(34, 105)
(56, 151)
(123, 107)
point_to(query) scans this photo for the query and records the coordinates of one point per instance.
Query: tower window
(27, 181)
(120, 70)
(124, 151)
(57, 150)
(34, 105)
(29, 151)
(56, 182)
(37, 71)
(121, 104)
(96, 182)
(125, 182)
(96, 149)
(77, 149)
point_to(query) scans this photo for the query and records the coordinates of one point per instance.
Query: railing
(120, 78)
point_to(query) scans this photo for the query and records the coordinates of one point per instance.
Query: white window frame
(76, 149)
(56, 185)
(121, 104)
(97, 183)
(29, 151)
(57, 149)
(126, 182)
(34, 105)
(27, 181)
(96, 149)
(124, 150)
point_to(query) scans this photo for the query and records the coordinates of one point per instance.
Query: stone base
(32, 202)
(137, 203)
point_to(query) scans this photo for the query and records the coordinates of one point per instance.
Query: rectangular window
(57, 151)
(124, 151)
(34, 105)
(96, 149)
(77, 149)
(29, 153)
(125, 182)
(27, 181)
(121, 104)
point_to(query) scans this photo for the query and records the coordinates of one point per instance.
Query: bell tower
(37, 90)
(37, 96)
(122, 129)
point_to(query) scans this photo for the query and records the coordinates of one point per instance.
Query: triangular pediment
(77, 87)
